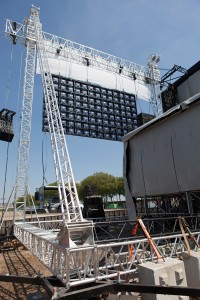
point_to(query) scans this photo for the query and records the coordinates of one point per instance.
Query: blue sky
(131, 29)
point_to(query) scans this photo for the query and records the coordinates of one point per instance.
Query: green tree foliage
(119, 186)
(28, 200)
(104, 184)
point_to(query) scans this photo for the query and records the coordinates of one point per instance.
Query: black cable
(5, 178)
(9, 77)
(143, 172)
(174, 165)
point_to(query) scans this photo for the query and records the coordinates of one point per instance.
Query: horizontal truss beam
(84, 265)
(64, 49)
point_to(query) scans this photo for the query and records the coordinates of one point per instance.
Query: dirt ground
(21, 262)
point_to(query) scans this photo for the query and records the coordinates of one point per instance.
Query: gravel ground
(21, 262)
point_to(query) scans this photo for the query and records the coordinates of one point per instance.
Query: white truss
(154, 80)
(57, 47)
(21, 183)
(63, 49)
(69, 202)
(75, 266)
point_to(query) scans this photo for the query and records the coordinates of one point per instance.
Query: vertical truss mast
(70, 206)
(21, 183)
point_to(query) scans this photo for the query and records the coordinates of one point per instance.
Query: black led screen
(169, 98)
(93, 111)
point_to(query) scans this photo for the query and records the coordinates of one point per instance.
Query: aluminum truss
(63, 49)
(81, 265)
(72, 210)
(21, 183)
(115, 230)
(154, 80)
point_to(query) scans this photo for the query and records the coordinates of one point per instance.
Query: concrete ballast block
(192, 269)
(170, 272)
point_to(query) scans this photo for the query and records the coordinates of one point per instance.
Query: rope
(9, 76)
(173, 159)
(5, 178)
(19, 84)
(6, 100)
(44, 168)
(136, 97)
(18, 110)
(185, 238)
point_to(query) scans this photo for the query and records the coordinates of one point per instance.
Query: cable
(20, 76)
(6, 100)
(43, 167)
(18, 102)
(136, 97)
(5, 177)
(9, 76)
(173, 159)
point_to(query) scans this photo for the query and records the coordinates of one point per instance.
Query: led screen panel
(90, 110)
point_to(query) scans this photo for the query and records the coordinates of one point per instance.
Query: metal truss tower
(154, 81)
(70, 205)
(21, 183)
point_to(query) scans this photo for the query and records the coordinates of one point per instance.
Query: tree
(120, 186)
(100, 183)
(28, 200)
(105, 185)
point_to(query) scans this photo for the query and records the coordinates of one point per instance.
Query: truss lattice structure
(21, 183)
(75, 266)
(58, 47)
(63, 49)
(69, 203)
(154, 80)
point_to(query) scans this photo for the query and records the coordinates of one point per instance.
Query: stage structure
(68, 59)
(162, 157)
(70, 250)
